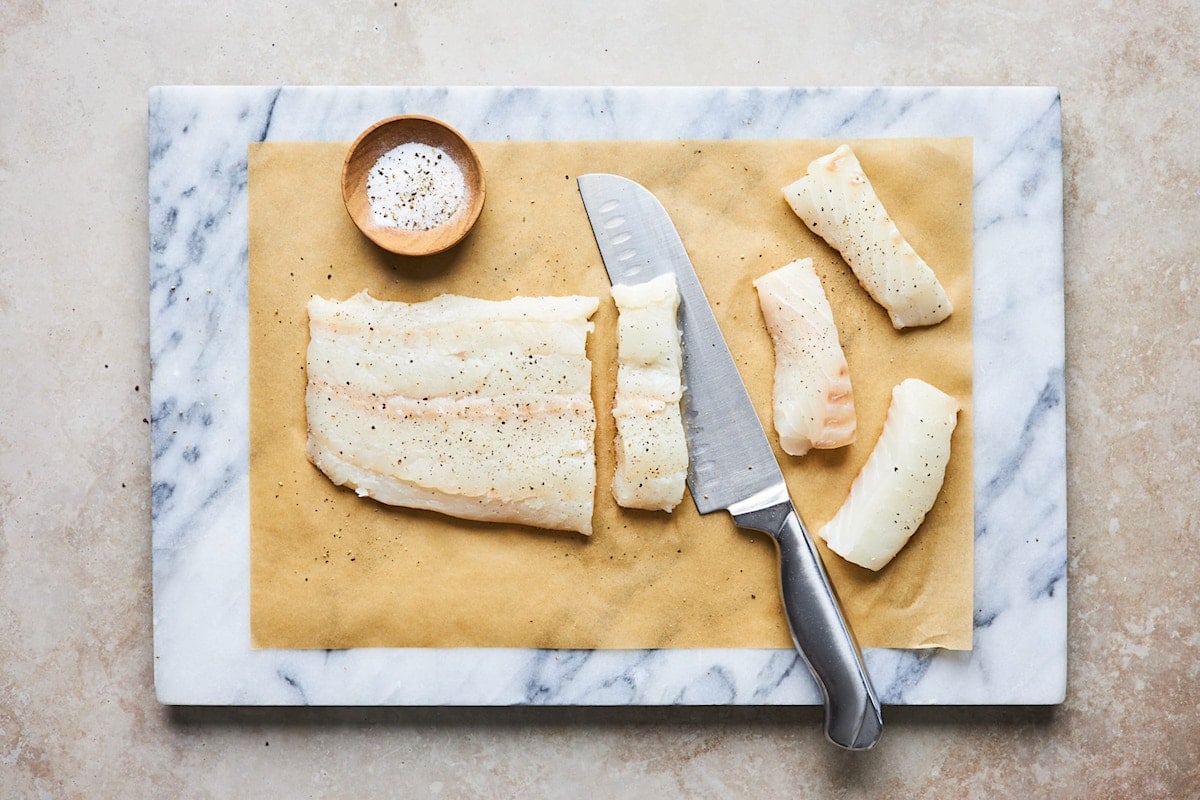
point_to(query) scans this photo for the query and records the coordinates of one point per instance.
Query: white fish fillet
(651, 449)
(474, 408)
(898, 485)
(838, 203)
(813, 399)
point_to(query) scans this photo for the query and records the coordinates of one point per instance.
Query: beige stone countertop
(78, 715)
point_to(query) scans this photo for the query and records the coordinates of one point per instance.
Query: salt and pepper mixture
(415, 187)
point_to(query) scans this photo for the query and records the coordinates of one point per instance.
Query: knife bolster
(770, 520)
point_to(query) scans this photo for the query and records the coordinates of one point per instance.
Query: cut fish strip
(477, 409)
(838, 203)
(651, 449)
(813, 398)
(898, 485)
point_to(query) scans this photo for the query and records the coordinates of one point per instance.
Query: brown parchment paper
(331, 570)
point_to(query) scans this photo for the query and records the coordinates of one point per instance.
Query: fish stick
(813, 398)
(900, 482)
(651, 449)
(838, 203)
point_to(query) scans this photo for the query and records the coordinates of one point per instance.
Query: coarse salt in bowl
(413, 185)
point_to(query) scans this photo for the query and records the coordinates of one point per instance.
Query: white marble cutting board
(200, 413)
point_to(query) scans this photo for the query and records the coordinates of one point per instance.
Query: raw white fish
(898, 485)
(838, 203)
(474, 408)
(651, 449)
(813, 399)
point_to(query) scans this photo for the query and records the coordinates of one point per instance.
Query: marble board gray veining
(198, 140)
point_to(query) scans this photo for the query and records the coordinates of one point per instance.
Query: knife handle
(853, 718)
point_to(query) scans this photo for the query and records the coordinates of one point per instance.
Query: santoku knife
(731, 464)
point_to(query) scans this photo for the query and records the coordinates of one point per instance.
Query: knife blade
(731, 463)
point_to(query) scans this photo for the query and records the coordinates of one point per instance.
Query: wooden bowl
(393, 132)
